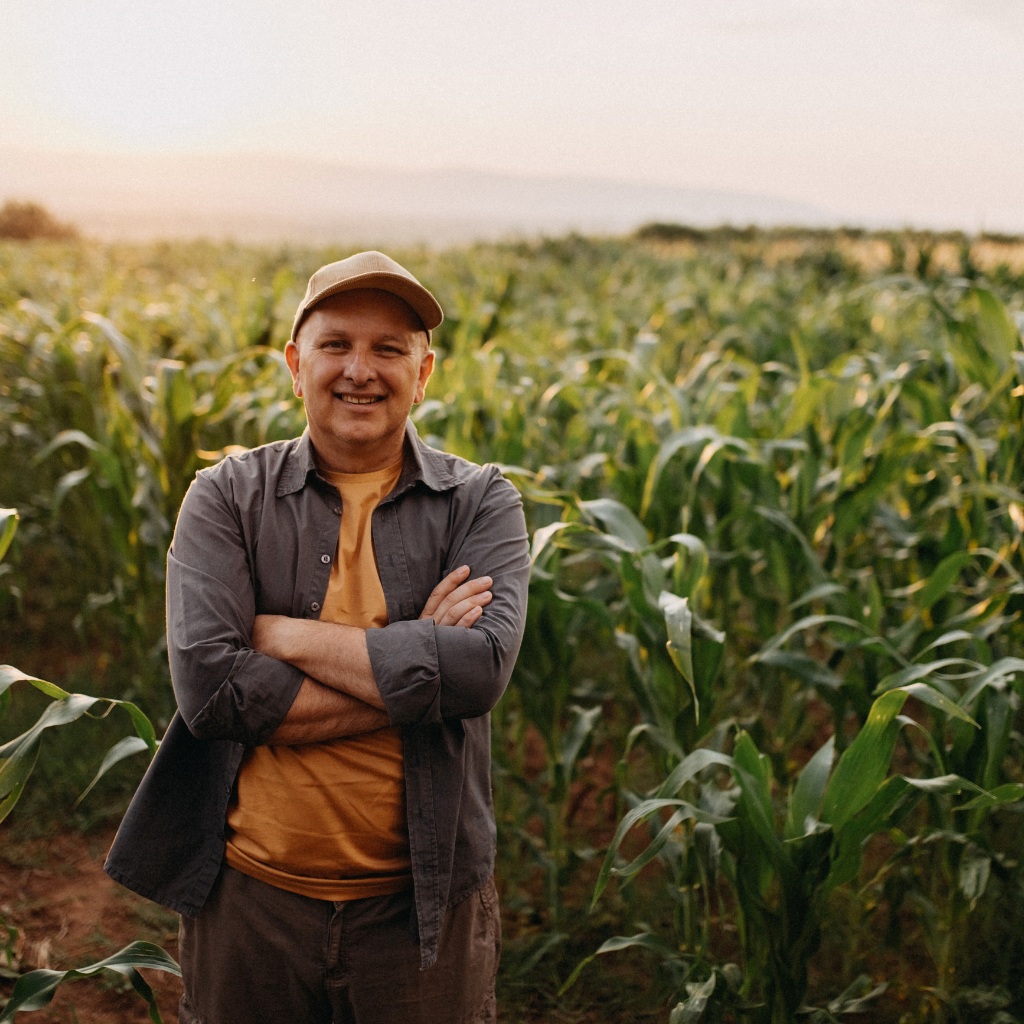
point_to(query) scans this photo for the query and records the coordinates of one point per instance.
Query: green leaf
(65, 438)
(803, 667)
(996, 676)
(753, 774)
(1008, 793)
(863, 765)
(9, 675)
(944, 785)
(997, 332)
(687, 438)
(639, 813)
(817, 593)
(141, 722)
(14, 773)
(950, 637)
(805, 404)
(643, 940)
(933, 698)
(912, 673)
(67, 483)
(678, 623)
(34, 990)
(698, 995)
(548, 538)
(857, 997)
(654, 847)
(8, 527)
(692, 765)
(618, 521)
(784, 523)
(942, 578)
(695, 648)
(974, 873)
(804, 624)
(809, 791)
(18, 756)
(118, 752)
(178, 390)
(875, 816)
(131, 365)
(574, 738)
(692, 566)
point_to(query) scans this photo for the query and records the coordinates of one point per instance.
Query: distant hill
(256, 197)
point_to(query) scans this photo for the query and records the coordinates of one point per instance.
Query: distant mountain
(256, 197)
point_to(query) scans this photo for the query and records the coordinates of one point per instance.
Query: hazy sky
(907, 110)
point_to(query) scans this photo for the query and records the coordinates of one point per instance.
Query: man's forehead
(384, 310)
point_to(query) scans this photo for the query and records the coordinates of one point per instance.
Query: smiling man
(344, 610)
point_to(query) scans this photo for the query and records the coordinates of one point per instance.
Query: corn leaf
(643, 940)
(942, 579)
(691, 766)
(618, 521)
(34, 990)
(863, 765)
(692, 1008)
(640, 813)
(8, 527)
(805, 803)
(124, 748)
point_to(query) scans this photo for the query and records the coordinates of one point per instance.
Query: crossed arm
(339, 695)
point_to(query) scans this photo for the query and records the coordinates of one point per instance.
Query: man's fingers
(461, 599)
(470, 617)
(470, 608)
(456, 596)
(443, 590)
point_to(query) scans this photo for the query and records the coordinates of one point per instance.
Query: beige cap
(369, 270)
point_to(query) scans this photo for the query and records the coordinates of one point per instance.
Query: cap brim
(423, 304)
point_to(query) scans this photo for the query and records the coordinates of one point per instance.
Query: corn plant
(18, 757)
(783, 863)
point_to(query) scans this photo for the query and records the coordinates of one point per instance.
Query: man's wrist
(273, 635)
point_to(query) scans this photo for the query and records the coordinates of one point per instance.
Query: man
(344, 610)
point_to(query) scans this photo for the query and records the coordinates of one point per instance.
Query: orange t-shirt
(327, 820)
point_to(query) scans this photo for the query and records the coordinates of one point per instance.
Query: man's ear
(291, 355)
(426, 369)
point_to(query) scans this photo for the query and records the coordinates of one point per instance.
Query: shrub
(28, 220)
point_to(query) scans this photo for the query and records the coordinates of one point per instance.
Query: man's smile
(358, 399)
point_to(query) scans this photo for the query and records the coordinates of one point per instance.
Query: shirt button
(314, 606)
(325, 559)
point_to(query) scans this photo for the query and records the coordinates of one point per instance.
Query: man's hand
(458, 600)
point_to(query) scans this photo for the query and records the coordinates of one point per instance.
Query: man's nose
(359, 367)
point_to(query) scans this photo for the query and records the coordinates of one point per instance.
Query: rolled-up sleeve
(224, 688)
(427, 673)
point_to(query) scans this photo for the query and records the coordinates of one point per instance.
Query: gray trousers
(259, 955)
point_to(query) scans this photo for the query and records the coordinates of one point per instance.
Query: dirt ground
(69, 913)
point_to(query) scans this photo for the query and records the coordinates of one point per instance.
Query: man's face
(359, 364)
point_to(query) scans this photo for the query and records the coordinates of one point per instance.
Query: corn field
(761, 758)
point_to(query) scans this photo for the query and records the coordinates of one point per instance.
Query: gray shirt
(256, 534)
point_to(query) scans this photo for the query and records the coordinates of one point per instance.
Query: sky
(902, 111)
